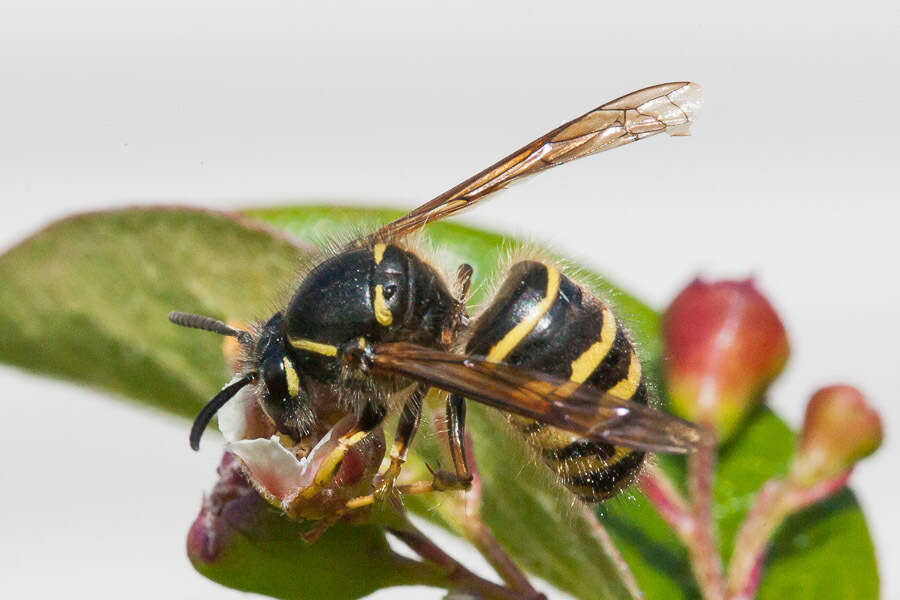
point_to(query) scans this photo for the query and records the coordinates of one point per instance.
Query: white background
(791, 176)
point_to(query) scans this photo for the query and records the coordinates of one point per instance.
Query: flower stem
(776, 500)
(667, 500)
(705, 558)
(692, 520)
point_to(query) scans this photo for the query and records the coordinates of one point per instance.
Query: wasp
(373, 327)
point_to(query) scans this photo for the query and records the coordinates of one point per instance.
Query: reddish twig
(776, 500)
(667, 500)
(692, 520)
(705, 558)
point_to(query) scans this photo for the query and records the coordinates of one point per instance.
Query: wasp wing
(583, 410)
(666, 107)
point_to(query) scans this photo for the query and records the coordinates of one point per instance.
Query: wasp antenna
(213, 406)
(208, 324)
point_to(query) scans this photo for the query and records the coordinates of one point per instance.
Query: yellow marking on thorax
(378, 250)
(293, 382)
(584, 365)
(382, 313)
(311, 346)
(501, 349)
(626, 388)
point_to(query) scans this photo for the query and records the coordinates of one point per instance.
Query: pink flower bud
(840, 428)
(724, 345)
(233, 505)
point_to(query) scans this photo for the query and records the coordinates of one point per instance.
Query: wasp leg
(325, 473)
(463, 281)
(332, 462)
(456, 405)
(311, 535)
(417, 487)
(459, 318)
(456, 432)
(441, 481)
(406, 431)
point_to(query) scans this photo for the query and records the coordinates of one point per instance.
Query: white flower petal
(233, 416)
(271, 466)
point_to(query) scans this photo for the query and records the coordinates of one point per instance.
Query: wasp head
(267, 365)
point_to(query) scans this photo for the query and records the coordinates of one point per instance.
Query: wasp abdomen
(542, 320)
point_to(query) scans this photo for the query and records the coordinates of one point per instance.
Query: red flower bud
(840, 428)
(230, 507)
(724, 345)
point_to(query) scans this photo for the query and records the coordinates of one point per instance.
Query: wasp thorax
(381, 293)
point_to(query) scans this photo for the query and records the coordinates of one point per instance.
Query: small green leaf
(86, 299)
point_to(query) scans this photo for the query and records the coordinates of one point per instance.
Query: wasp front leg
(461, 478)
(406, 431)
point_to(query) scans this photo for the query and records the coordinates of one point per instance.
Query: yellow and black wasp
(375, 322)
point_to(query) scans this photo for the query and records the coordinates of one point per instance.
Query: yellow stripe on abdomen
(587, 362)
(625, 388)
(514, 336)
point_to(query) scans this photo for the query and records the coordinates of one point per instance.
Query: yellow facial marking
(584, 365)
(626, 388)
(382, 313)
(379, 252)
(515, 335)
(293, 382)
(311, 346)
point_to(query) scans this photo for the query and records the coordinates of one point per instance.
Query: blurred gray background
(791, 177)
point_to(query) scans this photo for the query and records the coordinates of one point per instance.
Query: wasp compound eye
(274, 377)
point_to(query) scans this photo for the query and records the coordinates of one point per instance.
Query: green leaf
(86, 299)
